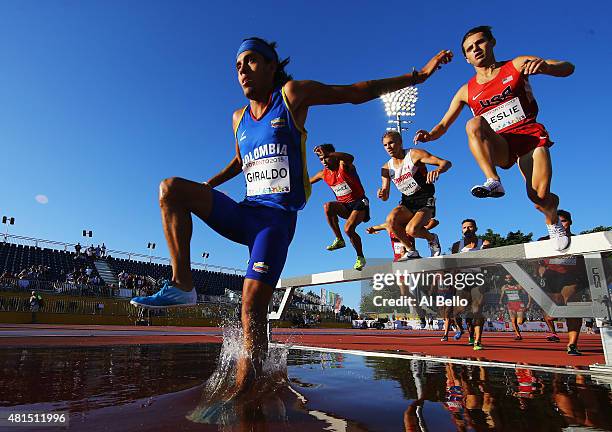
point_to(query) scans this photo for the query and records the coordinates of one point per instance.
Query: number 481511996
(37, 418)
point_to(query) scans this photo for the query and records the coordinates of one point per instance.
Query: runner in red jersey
(504, 130)
(351, 203)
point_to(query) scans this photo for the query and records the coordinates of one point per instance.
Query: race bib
(505, 115)
(341, 189)
(267, 176)
(406, 184)
(398, 248)
(513, 296)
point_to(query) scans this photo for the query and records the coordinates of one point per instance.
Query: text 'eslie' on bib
(267, 176)
(341, 189)
(406, 184)
(505, 115)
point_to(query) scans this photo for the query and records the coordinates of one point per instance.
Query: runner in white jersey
(474, 320)
(407, 170)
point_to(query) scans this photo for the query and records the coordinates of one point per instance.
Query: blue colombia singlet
(273, 152)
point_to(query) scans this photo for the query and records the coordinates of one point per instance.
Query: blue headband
(258, 46)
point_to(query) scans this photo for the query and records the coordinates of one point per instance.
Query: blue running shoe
(166, 297)
(458, 335)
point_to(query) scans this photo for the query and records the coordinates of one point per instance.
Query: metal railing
(52, 244)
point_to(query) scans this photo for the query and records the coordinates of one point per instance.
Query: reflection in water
(161, 388)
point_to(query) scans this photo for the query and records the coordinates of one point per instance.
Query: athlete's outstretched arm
(374, 229)
(317, 177)
(383, 192)
(303, 94)
(423, 156)
(449, 118)
(532, 65)
(347, 158)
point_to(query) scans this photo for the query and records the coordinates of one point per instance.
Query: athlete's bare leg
(178, 198)
(333, 209)
(573, 324)
(416, 226)
(536, 168)
(397, 221)
(550, 322)
(514, 321)
(256, 296)
(489, 149)
(354, 219)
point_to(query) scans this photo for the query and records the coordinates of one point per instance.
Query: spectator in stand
(103, 250)
(122, 279)
(98, 252)
(35, 305)
(77, 249)
(88, 271)
(90, 251)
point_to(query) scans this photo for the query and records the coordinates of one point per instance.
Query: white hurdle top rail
(591, 246)
(585, 244)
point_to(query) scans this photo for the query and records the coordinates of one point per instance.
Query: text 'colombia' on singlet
(273, 155)
(506, 102)
(345, 183)
(408, 177)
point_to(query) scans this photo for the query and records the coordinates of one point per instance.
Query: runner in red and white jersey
(418, 204)
(516, 307)
(351, 204)
(504, 130)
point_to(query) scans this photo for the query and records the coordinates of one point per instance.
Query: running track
(499, 347)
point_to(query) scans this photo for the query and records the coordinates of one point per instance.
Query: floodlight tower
(399, 105)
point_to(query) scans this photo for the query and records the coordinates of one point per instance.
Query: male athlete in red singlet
(351, 203)
(504, 129)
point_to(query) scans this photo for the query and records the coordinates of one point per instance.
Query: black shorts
(417, 202)
(553, 282)
(358, 205)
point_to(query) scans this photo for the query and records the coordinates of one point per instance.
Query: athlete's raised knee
(476, 126)
(349, 229)
(168, 189)
(328, 207)
(412, 230)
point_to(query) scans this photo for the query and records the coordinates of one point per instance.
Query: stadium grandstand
(84, 281)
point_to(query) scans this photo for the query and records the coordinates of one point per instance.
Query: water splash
(221, 403)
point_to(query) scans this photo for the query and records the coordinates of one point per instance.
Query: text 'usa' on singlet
(273, 152)
(345, 183)
(408, 177)
(506, 102)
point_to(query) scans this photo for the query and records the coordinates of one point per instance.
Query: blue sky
(100, 100)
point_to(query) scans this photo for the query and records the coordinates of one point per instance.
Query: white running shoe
(490, 189)
(409, 254)
(558, 235)
(434, 246)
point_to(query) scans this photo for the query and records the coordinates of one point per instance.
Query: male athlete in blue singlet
(270, 151)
